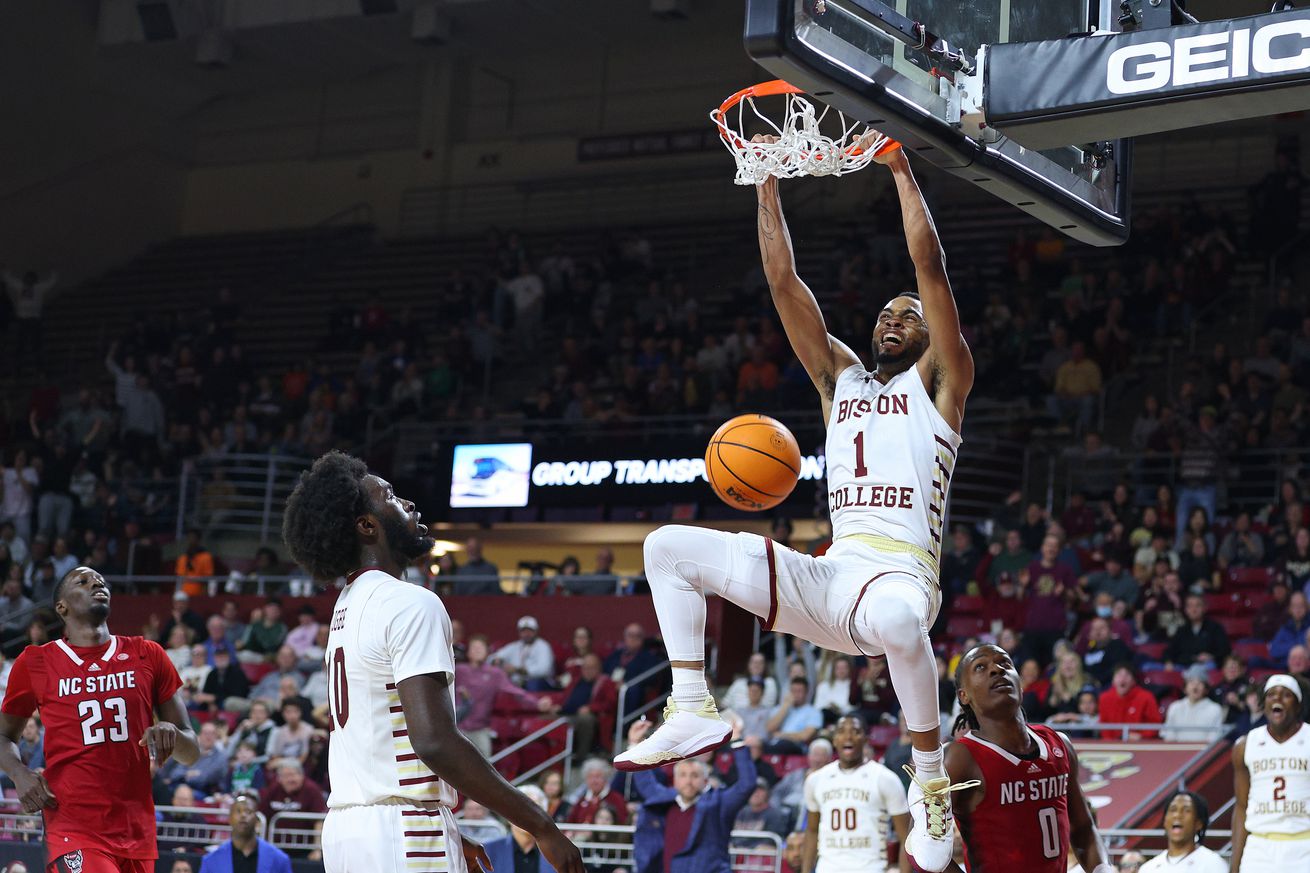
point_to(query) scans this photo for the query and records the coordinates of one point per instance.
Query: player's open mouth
(891, 339)
(1176, 828)
(1002, 685)
(1275, 709)
(848, 749)
(101, 594)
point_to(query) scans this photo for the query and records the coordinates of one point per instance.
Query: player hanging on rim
(1024, 808)
(893, 433)
(99, 695)
(1271, 781)
(396, 757)
(848, 801)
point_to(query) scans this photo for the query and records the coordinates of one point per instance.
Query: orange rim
(774, 88)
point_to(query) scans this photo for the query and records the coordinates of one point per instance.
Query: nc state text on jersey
(887, 404)
(97, 684)
(1044, 788)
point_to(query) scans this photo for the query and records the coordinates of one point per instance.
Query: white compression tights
(684, 563)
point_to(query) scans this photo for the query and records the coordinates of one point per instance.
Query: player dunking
(893, 433)
(396, 757)
(1271, 780)
(848, 802)
(1024, 809)
(98, 695)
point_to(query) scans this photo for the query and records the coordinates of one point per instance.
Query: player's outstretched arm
(33, 791)
(1084, 837)
(1241, 789)
(822, 355)
(948, 353)
(439, 744)
(172, 736)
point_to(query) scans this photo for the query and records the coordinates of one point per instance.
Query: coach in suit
(507, 853)
(689, 822)
(266, 857)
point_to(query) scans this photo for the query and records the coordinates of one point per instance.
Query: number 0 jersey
(853, 807)
(96, 703)
(889, 458)
(1022, 822)
(383, 632)
(1278, 801)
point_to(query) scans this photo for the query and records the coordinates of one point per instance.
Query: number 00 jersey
(96, 703)
(1022, 822)
(889, 458)
(1278, 801)
(383, 632)
(853, 807)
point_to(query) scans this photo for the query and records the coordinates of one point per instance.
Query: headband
(1282, 680)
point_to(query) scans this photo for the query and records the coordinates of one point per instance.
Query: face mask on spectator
(1105, 611)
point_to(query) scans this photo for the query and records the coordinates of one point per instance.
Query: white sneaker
(931, 843)
(684, 734)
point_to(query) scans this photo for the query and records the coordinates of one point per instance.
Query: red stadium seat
(883, 735)
(1152, 651)
(1238, 627)
(1249, 577)
(1165, 679)
(1253, 600)
(967, 604)
(255, 672)
(1249, 650)
(960, 626)
(1222, 604)
(1259, 676)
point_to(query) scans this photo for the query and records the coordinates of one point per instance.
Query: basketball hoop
(802, 149)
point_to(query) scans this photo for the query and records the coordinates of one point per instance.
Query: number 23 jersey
(96, 703)
(889, 456)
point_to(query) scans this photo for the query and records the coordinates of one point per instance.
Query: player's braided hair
(967, 717)
(1199, 804)
(318, 525)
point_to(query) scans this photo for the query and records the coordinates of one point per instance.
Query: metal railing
(236, 493)
(564, 756)
(624, 717)
(1092, 730)
(1116, 839)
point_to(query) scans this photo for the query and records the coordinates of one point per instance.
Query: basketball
(752, 462)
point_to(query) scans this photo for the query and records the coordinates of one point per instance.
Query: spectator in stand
(301, 638)
(1233, 682)
(1294, 565)
(686, 828)
(19, 481)
(1197, 570)
(790, 790)
(581, 644)
(529, 660)
(1102, 607)
(1242, 546)
(291, 792)
(1298, 661)
(763, 769)
(875, 697)
(477, 683)
(588, 704)
(1078, 518)
(1200, 640)
(757, 668)
(832, 696)
(264, 634)
(226, 687)
(1048, 584)
(216, 639)
(183, 614)
(630, 661)
(247, 774)
(178, 646)
(1162, 607)
(1204, 447)
(478, 575)
(1081, 722)
(1067, 682)
(1076, 390)
(1195, 716)
(245, 852)
(552, 787)
(205, 776)
(291, 738)
(1104, 651)
(755, 714)
(960, 561)
(795, 722)
(1003, 605)
(194, 674)
(15, 609)
(760, 814)
(62, 558)
(1293, 630)
(269, 687)
(596, 774)
(1126, 702)
(518, 851)
(1012, 559)
(1114, 580)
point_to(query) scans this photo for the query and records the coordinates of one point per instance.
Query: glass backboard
(840, 51)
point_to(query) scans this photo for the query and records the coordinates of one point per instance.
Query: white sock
(690, 690)
(928, 765)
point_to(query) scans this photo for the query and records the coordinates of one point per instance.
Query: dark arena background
(495, 250)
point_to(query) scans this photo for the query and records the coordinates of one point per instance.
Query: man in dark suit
(518, 851)
(1199, 640)
(689, 824)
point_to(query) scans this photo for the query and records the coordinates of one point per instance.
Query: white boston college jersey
(890, 455)
(1279, 798)
(383, 632)
(853, 807)
(1199, 860)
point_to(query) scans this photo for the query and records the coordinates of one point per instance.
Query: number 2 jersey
(854, 807)
(1278, 801)
(1022, 822)
(383, 632)
(96, 703)
(889, 458)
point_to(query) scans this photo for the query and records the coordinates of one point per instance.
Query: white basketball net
(801, 149)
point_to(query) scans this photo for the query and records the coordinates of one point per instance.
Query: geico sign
(1209, 57)
(654, 471)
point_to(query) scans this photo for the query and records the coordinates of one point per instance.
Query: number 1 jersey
(96, 703)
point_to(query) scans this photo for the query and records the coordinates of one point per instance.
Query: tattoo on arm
(768, 229)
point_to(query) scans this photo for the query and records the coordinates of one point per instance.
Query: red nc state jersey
(96, 703)
(1022, 822)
